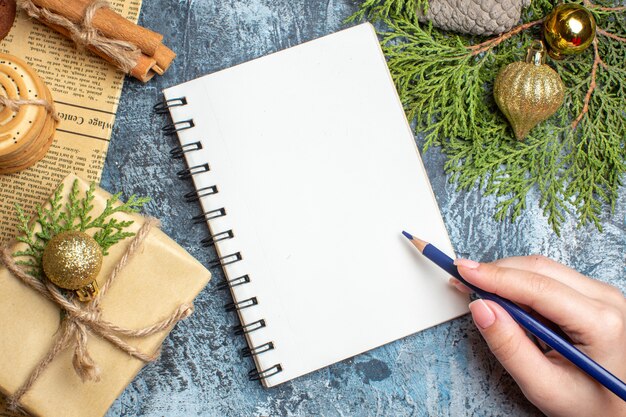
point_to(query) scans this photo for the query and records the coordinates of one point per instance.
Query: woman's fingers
(557, 302)
(550, 268)
(459, 285)
(515, 351)
(592, 314)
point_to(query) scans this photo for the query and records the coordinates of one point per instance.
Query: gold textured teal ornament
(568, 29)
(72, 260)
(528, 92)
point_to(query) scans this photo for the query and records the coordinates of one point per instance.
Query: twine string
(15, 104)
(82, 319)
(123, 53)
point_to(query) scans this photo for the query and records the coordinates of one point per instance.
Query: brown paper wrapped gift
(157, 280)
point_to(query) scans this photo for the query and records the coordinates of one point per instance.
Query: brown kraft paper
(159, 278)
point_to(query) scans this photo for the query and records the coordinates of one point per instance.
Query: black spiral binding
(173, 128)
(190, 172)
(249, 328)
(247, 351)
(255, 375)
(177, 153)
(192, 196)
(244, 279)
(226, 260)
(212, 240)
(209, 215)
(232, 306)
(164, 106)
(180, 151)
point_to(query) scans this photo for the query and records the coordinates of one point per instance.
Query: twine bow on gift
(15, 104)
(125, 54)
(80, 319)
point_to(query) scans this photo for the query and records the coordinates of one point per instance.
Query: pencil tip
(407, 235)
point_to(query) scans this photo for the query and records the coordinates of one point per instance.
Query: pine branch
(592, 85)
(491, 43)
(610, 35)
(590, 5)
(575, 159)
(75, 214)
(376, 9)
(72, 208)
(86, 207)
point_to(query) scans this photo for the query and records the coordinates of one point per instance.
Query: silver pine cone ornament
(474, 17)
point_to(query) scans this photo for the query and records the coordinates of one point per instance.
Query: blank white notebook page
(318, 173)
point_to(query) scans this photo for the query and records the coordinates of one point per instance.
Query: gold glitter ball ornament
(568, 29)
(528, 92)
(72, 260)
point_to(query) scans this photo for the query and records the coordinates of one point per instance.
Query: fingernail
(466, 263)
(459, 285)
(483, 316)
(455, 283)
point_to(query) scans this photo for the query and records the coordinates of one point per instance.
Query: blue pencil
(548, 336)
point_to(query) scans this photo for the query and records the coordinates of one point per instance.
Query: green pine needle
(447, 92)
(74, 215)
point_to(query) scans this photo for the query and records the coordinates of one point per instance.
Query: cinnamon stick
(163, 57)
(143, 70)
(114, 26)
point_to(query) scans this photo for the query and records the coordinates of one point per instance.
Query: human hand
(591, 313)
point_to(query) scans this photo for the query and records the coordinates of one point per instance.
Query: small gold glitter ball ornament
(72, 260)
(568, 29)
(528, 92)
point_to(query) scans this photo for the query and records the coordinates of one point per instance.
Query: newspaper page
(86, 91)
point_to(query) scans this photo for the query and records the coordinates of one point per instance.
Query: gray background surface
(444, 371)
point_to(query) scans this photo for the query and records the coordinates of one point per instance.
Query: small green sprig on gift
(75, 215)
(576, 159)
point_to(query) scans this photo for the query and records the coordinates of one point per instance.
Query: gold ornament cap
(568, 29)
(72, 260)
(536, 54)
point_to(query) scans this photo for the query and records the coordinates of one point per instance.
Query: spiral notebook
(307, 172)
